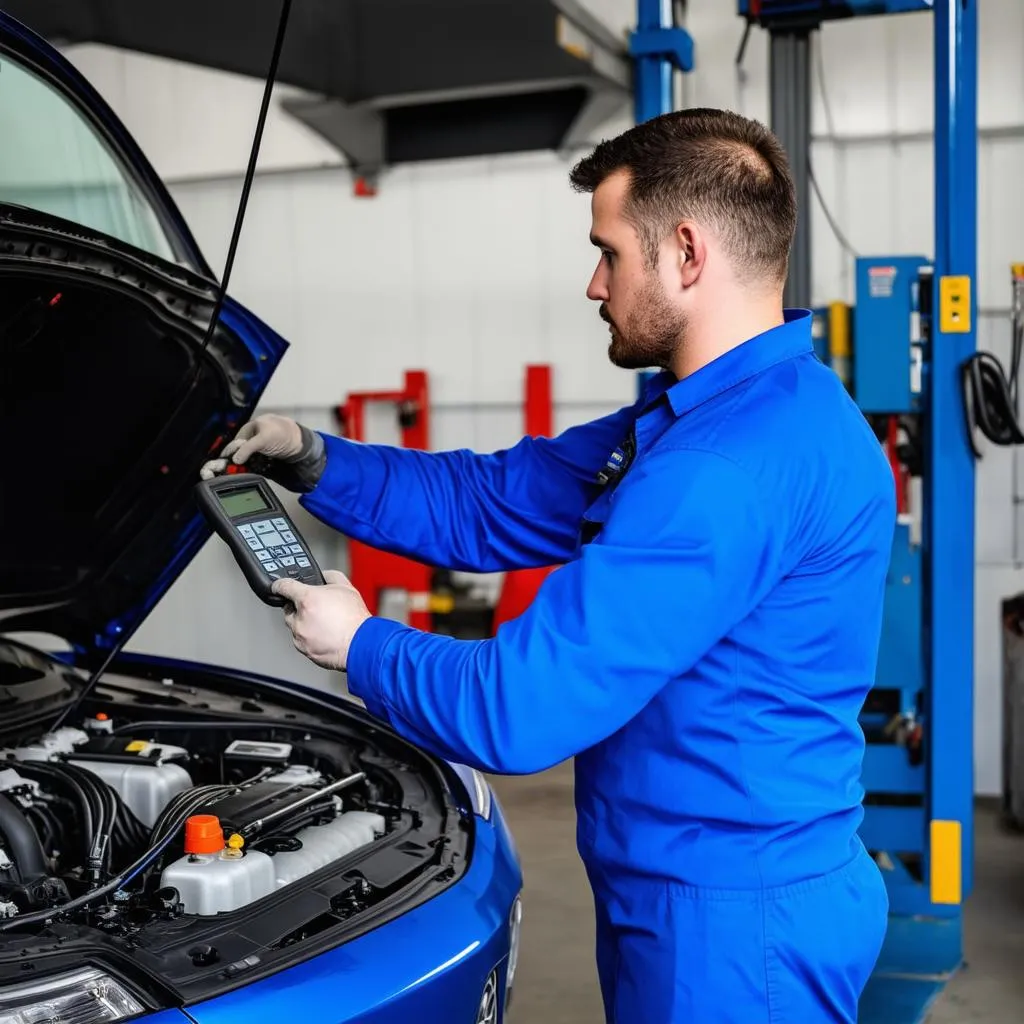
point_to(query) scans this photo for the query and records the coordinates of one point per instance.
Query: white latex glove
(323, 619)
(276, 437)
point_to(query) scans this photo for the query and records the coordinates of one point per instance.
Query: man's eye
(606, 255)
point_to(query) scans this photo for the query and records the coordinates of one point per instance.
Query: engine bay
(207, 830)
(203, 844)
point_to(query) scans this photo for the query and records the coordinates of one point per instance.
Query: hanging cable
(991, 394)
(819, 67)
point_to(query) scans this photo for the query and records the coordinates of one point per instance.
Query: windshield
(55, 161)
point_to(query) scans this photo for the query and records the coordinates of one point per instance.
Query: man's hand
(297, 453)
(323, 619)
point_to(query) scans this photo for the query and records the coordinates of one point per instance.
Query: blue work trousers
(797, 954)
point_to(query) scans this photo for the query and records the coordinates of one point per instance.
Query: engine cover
(263, 799)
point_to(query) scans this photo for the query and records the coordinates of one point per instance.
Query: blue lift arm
(772, 12)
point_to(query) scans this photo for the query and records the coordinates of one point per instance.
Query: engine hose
(22, 843)
(104, 802)
(42, 917)
(191, 800)
(46, 772)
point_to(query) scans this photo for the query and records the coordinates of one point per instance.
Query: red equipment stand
(372, 571)
(520, 587)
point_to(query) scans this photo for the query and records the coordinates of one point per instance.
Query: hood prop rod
(236, 232)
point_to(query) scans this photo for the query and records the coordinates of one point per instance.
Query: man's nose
(597, 290)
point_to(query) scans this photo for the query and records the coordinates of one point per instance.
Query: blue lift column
(658, 48)
(949, 474)
(919, 783)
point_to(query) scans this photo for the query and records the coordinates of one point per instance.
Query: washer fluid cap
(203, 834)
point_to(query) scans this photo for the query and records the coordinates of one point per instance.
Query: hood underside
(109, 404)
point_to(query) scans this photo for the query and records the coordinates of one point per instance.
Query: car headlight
(479, 789)
(515, 924)
(86, 996)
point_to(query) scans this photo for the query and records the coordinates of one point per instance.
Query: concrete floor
(557, 982)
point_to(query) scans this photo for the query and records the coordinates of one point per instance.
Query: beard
(651, 333)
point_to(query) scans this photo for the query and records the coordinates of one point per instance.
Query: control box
(887, 353)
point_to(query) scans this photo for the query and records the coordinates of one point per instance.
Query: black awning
(393, 80)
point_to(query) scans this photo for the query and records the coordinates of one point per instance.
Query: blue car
(183, 842)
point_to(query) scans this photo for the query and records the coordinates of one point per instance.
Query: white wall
(472, 269)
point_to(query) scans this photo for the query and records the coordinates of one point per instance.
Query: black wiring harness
(111, 834)
(992, 396)
(154, 844)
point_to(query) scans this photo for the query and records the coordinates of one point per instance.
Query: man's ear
(692, 250)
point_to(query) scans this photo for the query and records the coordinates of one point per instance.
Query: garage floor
(557, 983)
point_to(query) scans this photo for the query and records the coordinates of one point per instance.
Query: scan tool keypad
(275, 546)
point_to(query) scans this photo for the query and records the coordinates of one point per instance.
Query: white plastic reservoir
(323, 843)
(146, 789)
(217, 882)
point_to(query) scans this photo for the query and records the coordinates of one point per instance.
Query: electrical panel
(887, 353)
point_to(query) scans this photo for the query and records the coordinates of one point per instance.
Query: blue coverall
(704, 652)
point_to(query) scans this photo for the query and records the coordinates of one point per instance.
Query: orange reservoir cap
(203, 834)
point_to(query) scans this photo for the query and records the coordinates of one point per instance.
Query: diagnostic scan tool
(246, 512)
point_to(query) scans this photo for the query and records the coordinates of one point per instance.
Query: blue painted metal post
(653, 89)
(950, 477)
(657, 46)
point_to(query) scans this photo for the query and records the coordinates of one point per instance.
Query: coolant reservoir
(214, 877)
(145, 788)
(322, 844)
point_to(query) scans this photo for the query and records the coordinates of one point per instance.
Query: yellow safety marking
(135, 746)
(1017, 269)
(955, 305)
(946, 851)
(839, 330)
(441, 604)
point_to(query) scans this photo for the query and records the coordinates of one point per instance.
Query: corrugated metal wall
(472, 270)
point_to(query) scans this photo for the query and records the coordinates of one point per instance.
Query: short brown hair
(714, 166)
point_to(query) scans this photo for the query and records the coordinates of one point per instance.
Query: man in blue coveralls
(707, 644)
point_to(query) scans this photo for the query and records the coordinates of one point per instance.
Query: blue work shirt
(708, 643)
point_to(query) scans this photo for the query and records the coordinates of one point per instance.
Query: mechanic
(708, 640)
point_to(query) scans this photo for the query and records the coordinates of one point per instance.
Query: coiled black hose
(991, 396)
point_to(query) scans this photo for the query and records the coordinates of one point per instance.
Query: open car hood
(109, 399)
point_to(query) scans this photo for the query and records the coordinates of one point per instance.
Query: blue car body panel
(429, 964)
